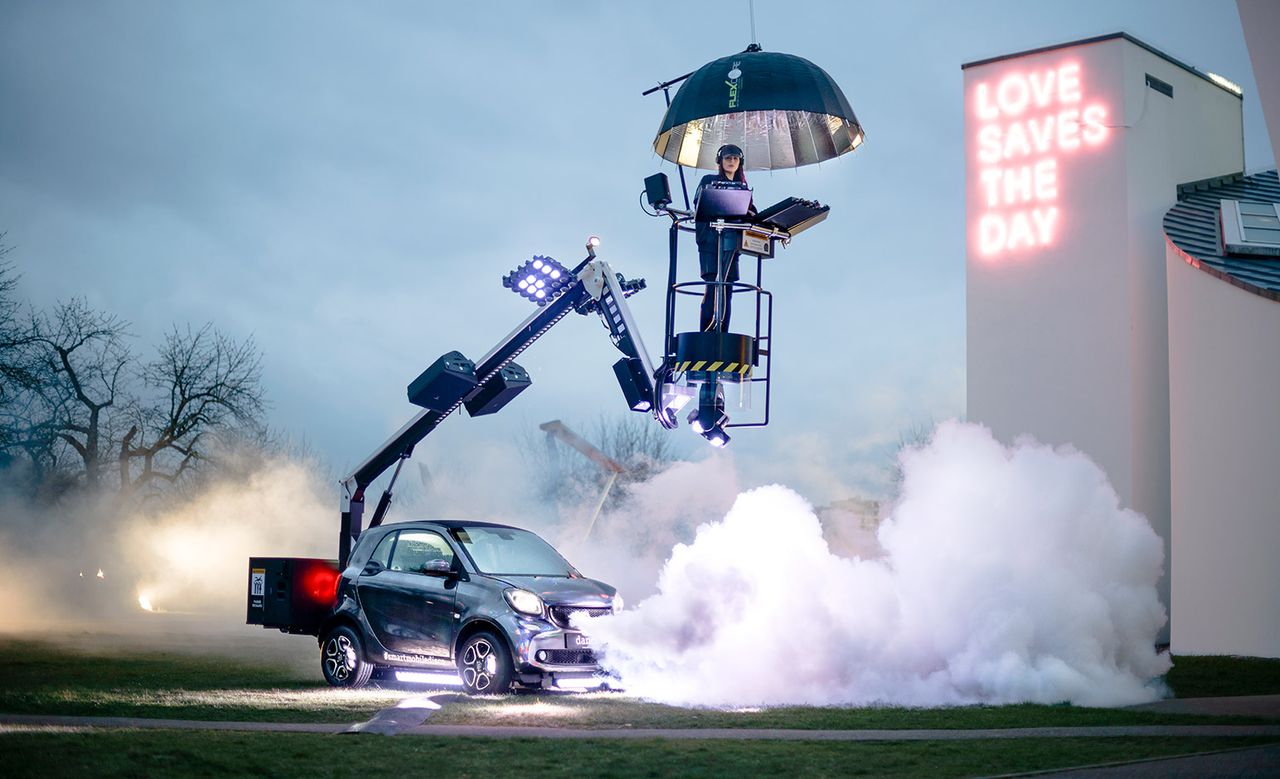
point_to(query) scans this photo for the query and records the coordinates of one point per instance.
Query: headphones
(729, 149)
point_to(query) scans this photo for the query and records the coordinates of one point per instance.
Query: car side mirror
(373, 567)
(438, 568)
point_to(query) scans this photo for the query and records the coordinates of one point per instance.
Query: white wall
(1225, 439)
(1261, 22)
(1067, 340)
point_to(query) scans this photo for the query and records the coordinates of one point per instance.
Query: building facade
(1074, 154)
(1224, 412)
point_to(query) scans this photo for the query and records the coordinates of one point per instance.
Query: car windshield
(506, 550)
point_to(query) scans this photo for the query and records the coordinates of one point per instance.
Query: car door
(409, 603)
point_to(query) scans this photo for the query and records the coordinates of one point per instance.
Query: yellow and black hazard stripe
(714, 366)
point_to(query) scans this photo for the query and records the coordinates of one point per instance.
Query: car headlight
(617, 602)
(524, 601)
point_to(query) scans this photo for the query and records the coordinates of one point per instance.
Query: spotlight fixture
(541, 280)
(708, 419)
(718, 438)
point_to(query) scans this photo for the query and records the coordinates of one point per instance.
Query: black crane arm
(595, 288)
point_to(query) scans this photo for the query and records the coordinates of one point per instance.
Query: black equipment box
(498, 391)
(449, 379)
(294, 594)
(793, 215)
(657, 190)
(632, 377)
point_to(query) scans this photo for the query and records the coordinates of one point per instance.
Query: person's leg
(730, 274)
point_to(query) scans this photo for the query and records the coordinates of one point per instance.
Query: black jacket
(703, 234)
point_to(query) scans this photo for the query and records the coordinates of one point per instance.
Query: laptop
(723, 202)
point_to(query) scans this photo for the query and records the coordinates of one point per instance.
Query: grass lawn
(1208, 676)
(187, 753)
(45, 678)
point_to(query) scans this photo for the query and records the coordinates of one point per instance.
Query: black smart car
(490, 601)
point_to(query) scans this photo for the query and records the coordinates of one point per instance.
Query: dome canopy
(783, 111)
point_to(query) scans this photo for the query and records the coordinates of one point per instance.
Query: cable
(1145, 93)
(642, 202)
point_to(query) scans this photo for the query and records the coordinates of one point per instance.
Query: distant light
(542, 293)
(555, 274)
(530, 279)
(719, 439)
(540, 283)
(1226, 84)
(144, 600)
(537, 264)
(593, 241)
(101, 575)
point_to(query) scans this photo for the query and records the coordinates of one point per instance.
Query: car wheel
(342, 659)
(485, 665)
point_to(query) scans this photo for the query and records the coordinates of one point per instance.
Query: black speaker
(658, 190)
(632, 378)
(498, 391)
(449, 379)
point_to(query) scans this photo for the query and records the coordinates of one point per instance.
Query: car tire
(342, 659)
(484, 663)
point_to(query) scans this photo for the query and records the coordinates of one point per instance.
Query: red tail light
(320, 582)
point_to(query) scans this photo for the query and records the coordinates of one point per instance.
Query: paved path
(1241, 705)
(36, 721)
(1252, 762)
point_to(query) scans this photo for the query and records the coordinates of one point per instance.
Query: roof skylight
(1250, 228)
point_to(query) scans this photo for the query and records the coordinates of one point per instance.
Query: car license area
(576, 641)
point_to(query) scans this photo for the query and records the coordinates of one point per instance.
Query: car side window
(382, 555)
(416, 548)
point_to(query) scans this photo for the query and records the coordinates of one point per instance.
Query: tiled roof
(1194, 228)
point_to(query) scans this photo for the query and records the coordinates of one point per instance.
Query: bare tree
(634, 441)
(76, 401)
(81, 362)
(637, 442)
(201, 382)
(15, 335)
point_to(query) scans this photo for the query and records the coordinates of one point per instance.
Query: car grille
(561, 614)
(569, 657)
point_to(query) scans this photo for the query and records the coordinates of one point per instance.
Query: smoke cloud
(97, 561)
(629, 543)
(1007, 575)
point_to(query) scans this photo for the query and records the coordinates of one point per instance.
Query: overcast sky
(347, 183)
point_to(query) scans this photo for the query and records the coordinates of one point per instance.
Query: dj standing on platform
(719, 266)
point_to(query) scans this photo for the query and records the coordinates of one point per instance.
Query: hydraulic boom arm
(595, 287)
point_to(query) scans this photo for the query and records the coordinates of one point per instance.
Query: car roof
(448, 523)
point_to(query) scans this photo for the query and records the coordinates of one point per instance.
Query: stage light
(695, 423)
(540, 280)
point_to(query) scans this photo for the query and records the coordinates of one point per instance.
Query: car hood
(560, 590)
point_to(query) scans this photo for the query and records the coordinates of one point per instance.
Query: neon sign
(1027, 121)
